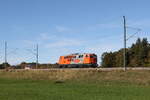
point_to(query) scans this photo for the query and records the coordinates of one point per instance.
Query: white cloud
(62, 29)
(140, 23)
(44, 36)
(29, 42)
(40, 39)
(64, 43)
(110, 25)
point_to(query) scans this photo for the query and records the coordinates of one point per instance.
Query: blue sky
(68, 26)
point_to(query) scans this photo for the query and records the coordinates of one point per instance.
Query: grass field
(74, 85)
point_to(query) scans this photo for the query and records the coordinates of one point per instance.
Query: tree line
(138, 55)
(31, 65)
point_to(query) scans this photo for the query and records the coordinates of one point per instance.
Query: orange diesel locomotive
(78, 60)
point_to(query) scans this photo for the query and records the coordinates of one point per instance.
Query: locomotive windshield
(93, 56)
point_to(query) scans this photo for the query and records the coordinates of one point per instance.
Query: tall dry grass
(88, 75)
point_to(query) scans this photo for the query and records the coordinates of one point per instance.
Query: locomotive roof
(78, 54)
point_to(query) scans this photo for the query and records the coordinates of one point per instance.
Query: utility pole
(124, 43)
(37, 55)
(5, 54)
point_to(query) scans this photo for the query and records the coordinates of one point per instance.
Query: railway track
(99, 69)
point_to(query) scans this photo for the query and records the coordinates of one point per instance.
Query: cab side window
(91, 56)
(74, 57)
(80, 56)
(86, 56)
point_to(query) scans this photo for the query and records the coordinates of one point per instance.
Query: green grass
(94, 87)
(11, 89)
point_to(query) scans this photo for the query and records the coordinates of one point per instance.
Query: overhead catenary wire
(35, 52)
(13, 51)
(133, 35)
(15, 54)
(133, 28)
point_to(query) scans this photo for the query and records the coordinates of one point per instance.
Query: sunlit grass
(74, 85)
